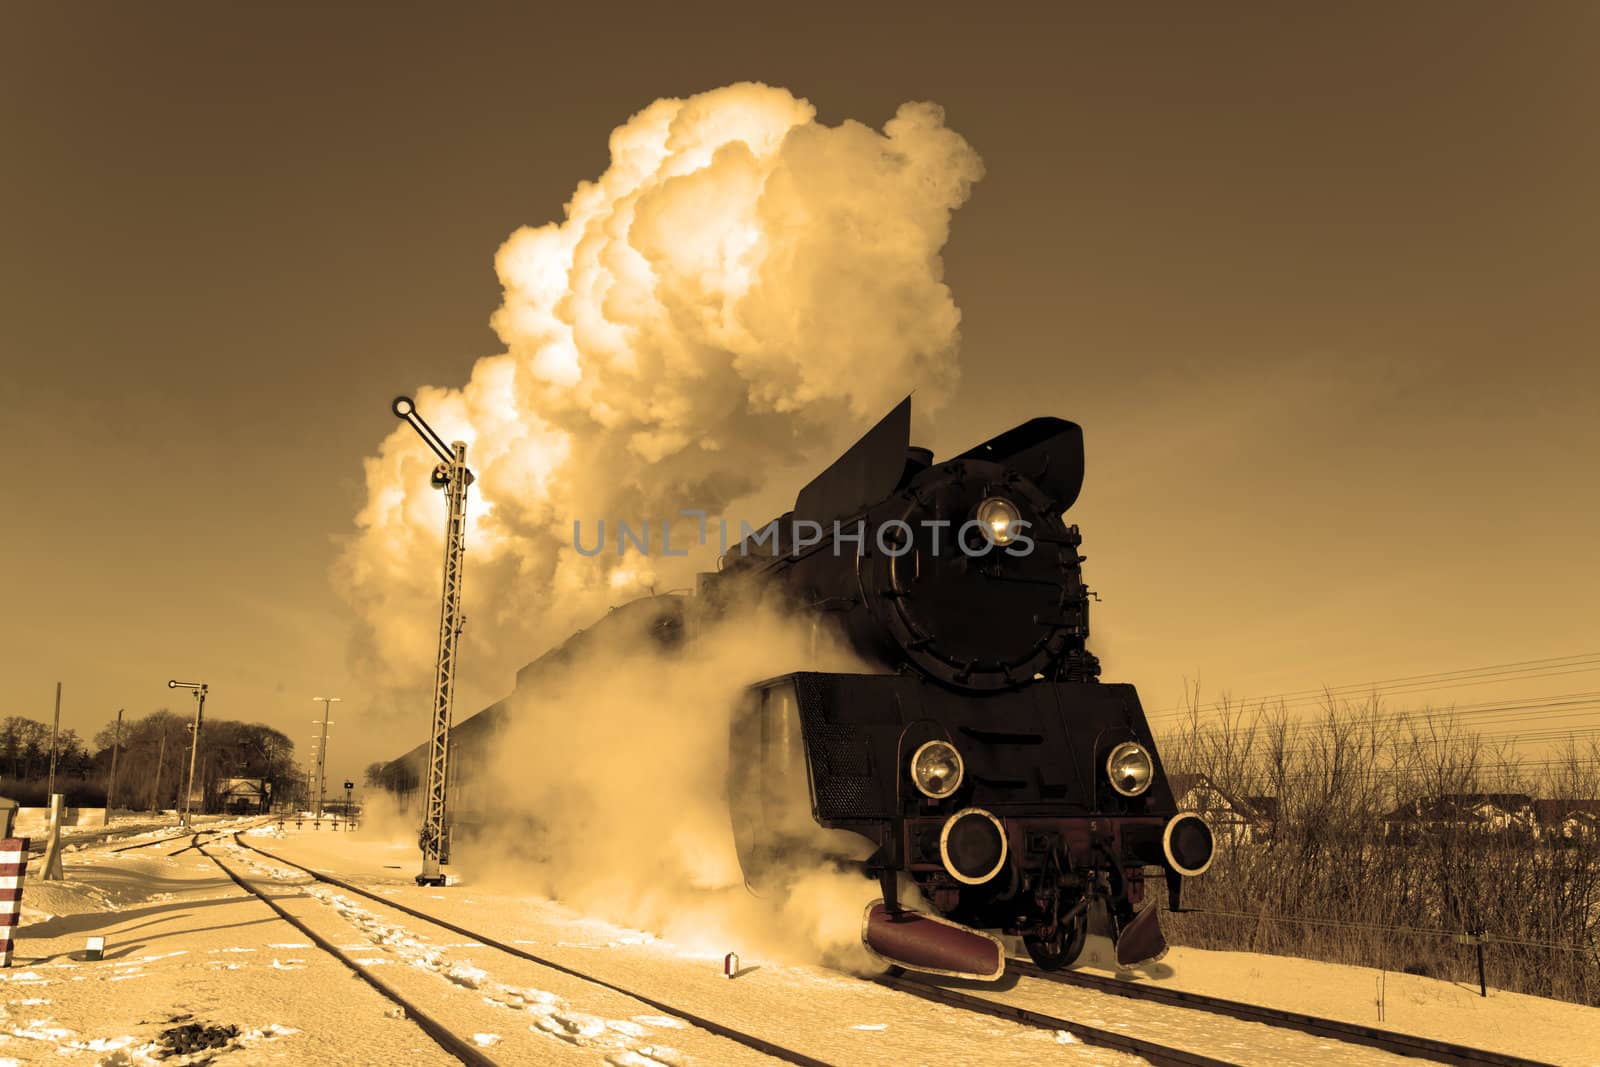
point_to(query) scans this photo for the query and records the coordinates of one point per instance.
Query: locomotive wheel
(1062, 950)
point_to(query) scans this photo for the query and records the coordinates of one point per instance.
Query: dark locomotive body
(985, 637)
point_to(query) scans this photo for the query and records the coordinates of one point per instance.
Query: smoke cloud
(605, 788)
(741, 289)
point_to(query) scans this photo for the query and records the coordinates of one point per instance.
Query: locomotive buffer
(453, 477)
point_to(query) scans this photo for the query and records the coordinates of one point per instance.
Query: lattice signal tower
(453, 477)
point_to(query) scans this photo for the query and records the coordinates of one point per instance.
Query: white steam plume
(604, 787)
(740, 288)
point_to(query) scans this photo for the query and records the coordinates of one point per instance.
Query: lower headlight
(1187, 844)
(936, 769)
(973, 846)
(1130, 769)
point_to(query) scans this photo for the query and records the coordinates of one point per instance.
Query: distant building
(1267, 809)
(243, 796)
(341, 810)
(1567, 822)
(1511, 813)
(1232, 818)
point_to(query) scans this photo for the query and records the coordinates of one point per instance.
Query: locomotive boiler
(985, 761)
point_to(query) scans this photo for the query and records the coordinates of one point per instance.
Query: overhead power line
(1518, 709)
(1551, 667)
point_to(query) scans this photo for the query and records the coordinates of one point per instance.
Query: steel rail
(1402, 1044)
(441, 1035)
(179, 837)
(750, 1041)
(1154, 1051)
(152, 842)
(37, 844)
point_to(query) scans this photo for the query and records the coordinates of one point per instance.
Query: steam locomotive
(988, 763)
(982, 761)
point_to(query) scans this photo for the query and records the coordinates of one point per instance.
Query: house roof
(1267, 806)
(1555, 811)
(1183, 784)
(1456, 805)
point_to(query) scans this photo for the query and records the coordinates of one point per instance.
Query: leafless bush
(1374, 837)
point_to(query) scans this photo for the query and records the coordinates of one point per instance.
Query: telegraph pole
(199, 689)
(322, 752)
(453, 477)
(116, 747)
(54, 728)
(161, 766)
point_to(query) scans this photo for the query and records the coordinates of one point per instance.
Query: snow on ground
(795, 1008)
(34, 822)
(45, 900)
(1509, 1023)
(1512, 1023)
(184, 945)
(1537, 1028)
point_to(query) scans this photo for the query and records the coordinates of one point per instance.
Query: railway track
(37, 845)
(1350, 1033)
(441, 1035)
(1156, 1052)
(1042, 1015)
(192, 834)
(437, 1032)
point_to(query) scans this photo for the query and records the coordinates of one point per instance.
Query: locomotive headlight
(999, 517)
(936, 769)
(1130, 769)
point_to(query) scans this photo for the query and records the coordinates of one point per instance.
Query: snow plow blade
(1141, 941)
(921, 942)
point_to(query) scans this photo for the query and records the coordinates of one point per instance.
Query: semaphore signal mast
(453, 477)
(199, 689)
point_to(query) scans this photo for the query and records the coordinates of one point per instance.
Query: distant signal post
(322, 752)
(452, 476)
(199, 690)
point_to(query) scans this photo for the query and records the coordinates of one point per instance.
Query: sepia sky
(1319, 284)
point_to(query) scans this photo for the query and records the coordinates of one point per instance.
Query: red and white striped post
(13, 862)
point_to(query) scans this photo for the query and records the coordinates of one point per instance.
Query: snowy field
(186, 947)
(128, 826)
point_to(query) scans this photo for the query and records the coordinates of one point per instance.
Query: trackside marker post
(53, 871)
(1477, 940)
(13, 864)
